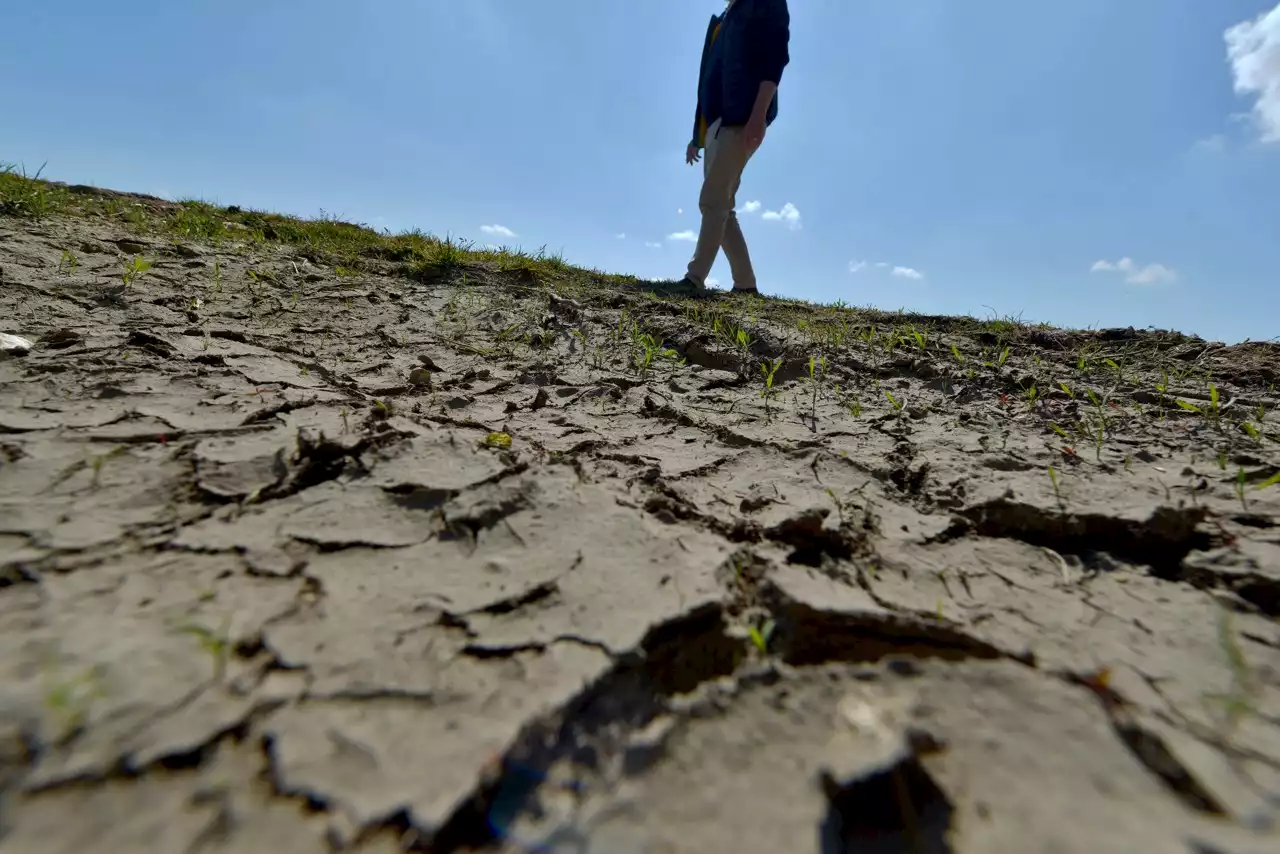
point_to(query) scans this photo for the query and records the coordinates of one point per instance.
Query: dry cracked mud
(304, 553)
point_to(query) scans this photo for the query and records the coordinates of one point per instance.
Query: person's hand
(753, 132)
(691, 154)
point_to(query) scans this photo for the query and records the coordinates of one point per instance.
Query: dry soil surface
(297, 558)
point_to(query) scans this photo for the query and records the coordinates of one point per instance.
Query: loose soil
(299, 556)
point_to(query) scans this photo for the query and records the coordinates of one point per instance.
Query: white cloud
(621, 235)
(1253, 49)
(679, 211)
(1149, 275)
(788, 214)
(857, 266)
(499, 230)
(907, 273)
(1211, 144)
(882, 264)
(690, 236)
(652, 245)
(751, 207)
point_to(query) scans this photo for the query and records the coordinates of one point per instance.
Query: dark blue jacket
(750, 48)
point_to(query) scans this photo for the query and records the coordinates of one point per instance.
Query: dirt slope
(389, 544)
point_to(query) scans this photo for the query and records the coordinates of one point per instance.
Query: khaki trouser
(722, 164)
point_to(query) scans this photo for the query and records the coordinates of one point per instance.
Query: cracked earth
(304, 558)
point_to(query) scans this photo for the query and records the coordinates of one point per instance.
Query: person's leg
(722, 171)
(734, 245)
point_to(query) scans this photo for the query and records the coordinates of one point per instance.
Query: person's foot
(751, 291)
(686, 287)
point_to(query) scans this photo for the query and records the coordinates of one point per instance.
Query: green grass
(353, 247)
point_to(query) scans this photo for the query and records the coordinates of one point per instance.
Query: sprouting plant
(919, 339)
(217, 276)
(761, 634)
(894, 402)
(959, 357)
(1053, 479)
(1214, 412)
(1238, 700)
(743, 341)
(68, 261)
(99, 460)
(1031, 395)
(69, 700)
(1066, 388)
(217, 644)
(817, 370)
(1119, 369)
(383, 409)
(135, 269)
(769, 369)
(1222, 459)
(1240, 479)
(1004, 356)
(1059, 430)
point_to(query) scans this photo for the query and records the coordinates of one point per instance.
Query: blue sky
(990, 153)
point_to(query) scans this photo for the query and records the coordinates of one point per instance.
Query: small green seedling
(1271, 481)
(1053, 479)
(769, 369)
(959, 357)
(1240, 479)
(761, 634)
(217, 644)
(134, 270)
(1238, 700)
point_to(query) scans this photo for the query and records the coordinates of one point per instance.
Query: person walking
(743, 56)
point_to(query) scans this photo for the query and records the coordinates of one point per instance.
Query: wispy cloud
(1253, 49)
(713, 283)
(653, 244)
(1148, 275)
(1211, 144)
(498, 230)
(899, 271)
(789, 214)
(690, 236)
(621, 235)
(750, 207)
(679, 211)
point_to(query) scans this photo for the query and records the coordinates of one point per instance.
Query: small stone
(14, 345)
(420, 376)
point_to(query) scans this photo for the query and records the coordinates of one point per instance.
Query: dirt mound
(316, 539)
